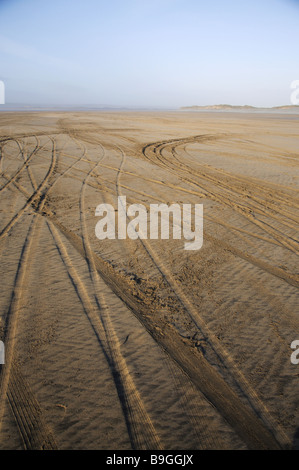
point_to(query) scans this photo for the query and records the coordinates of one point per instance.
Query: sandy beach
(140, 344)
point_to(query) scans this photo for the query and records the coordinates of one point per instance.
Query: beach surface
(141, 344)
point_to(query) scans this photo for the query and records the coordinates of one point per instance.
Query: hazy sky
(159, 53)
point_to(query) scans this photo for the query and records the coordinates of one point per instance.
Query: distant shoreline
(222, 108)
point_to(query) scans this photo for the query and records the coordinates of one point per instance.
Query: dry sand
(124, 344)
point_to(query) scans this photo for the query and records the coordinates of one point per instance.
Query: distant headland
(229, 107)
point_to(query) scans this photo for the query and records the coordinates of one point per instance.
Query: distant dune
(229, 107)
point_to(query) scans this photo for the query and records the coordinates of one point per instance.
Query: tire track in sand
(26, 410)
(25, 407)
(153, 152)
(236, 419)
(140, 427)
(25, 164)
(128, 395)
(243, 420)
(35, 199)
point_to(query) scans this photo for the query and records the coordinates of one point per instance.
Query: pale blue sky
(159, 53)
